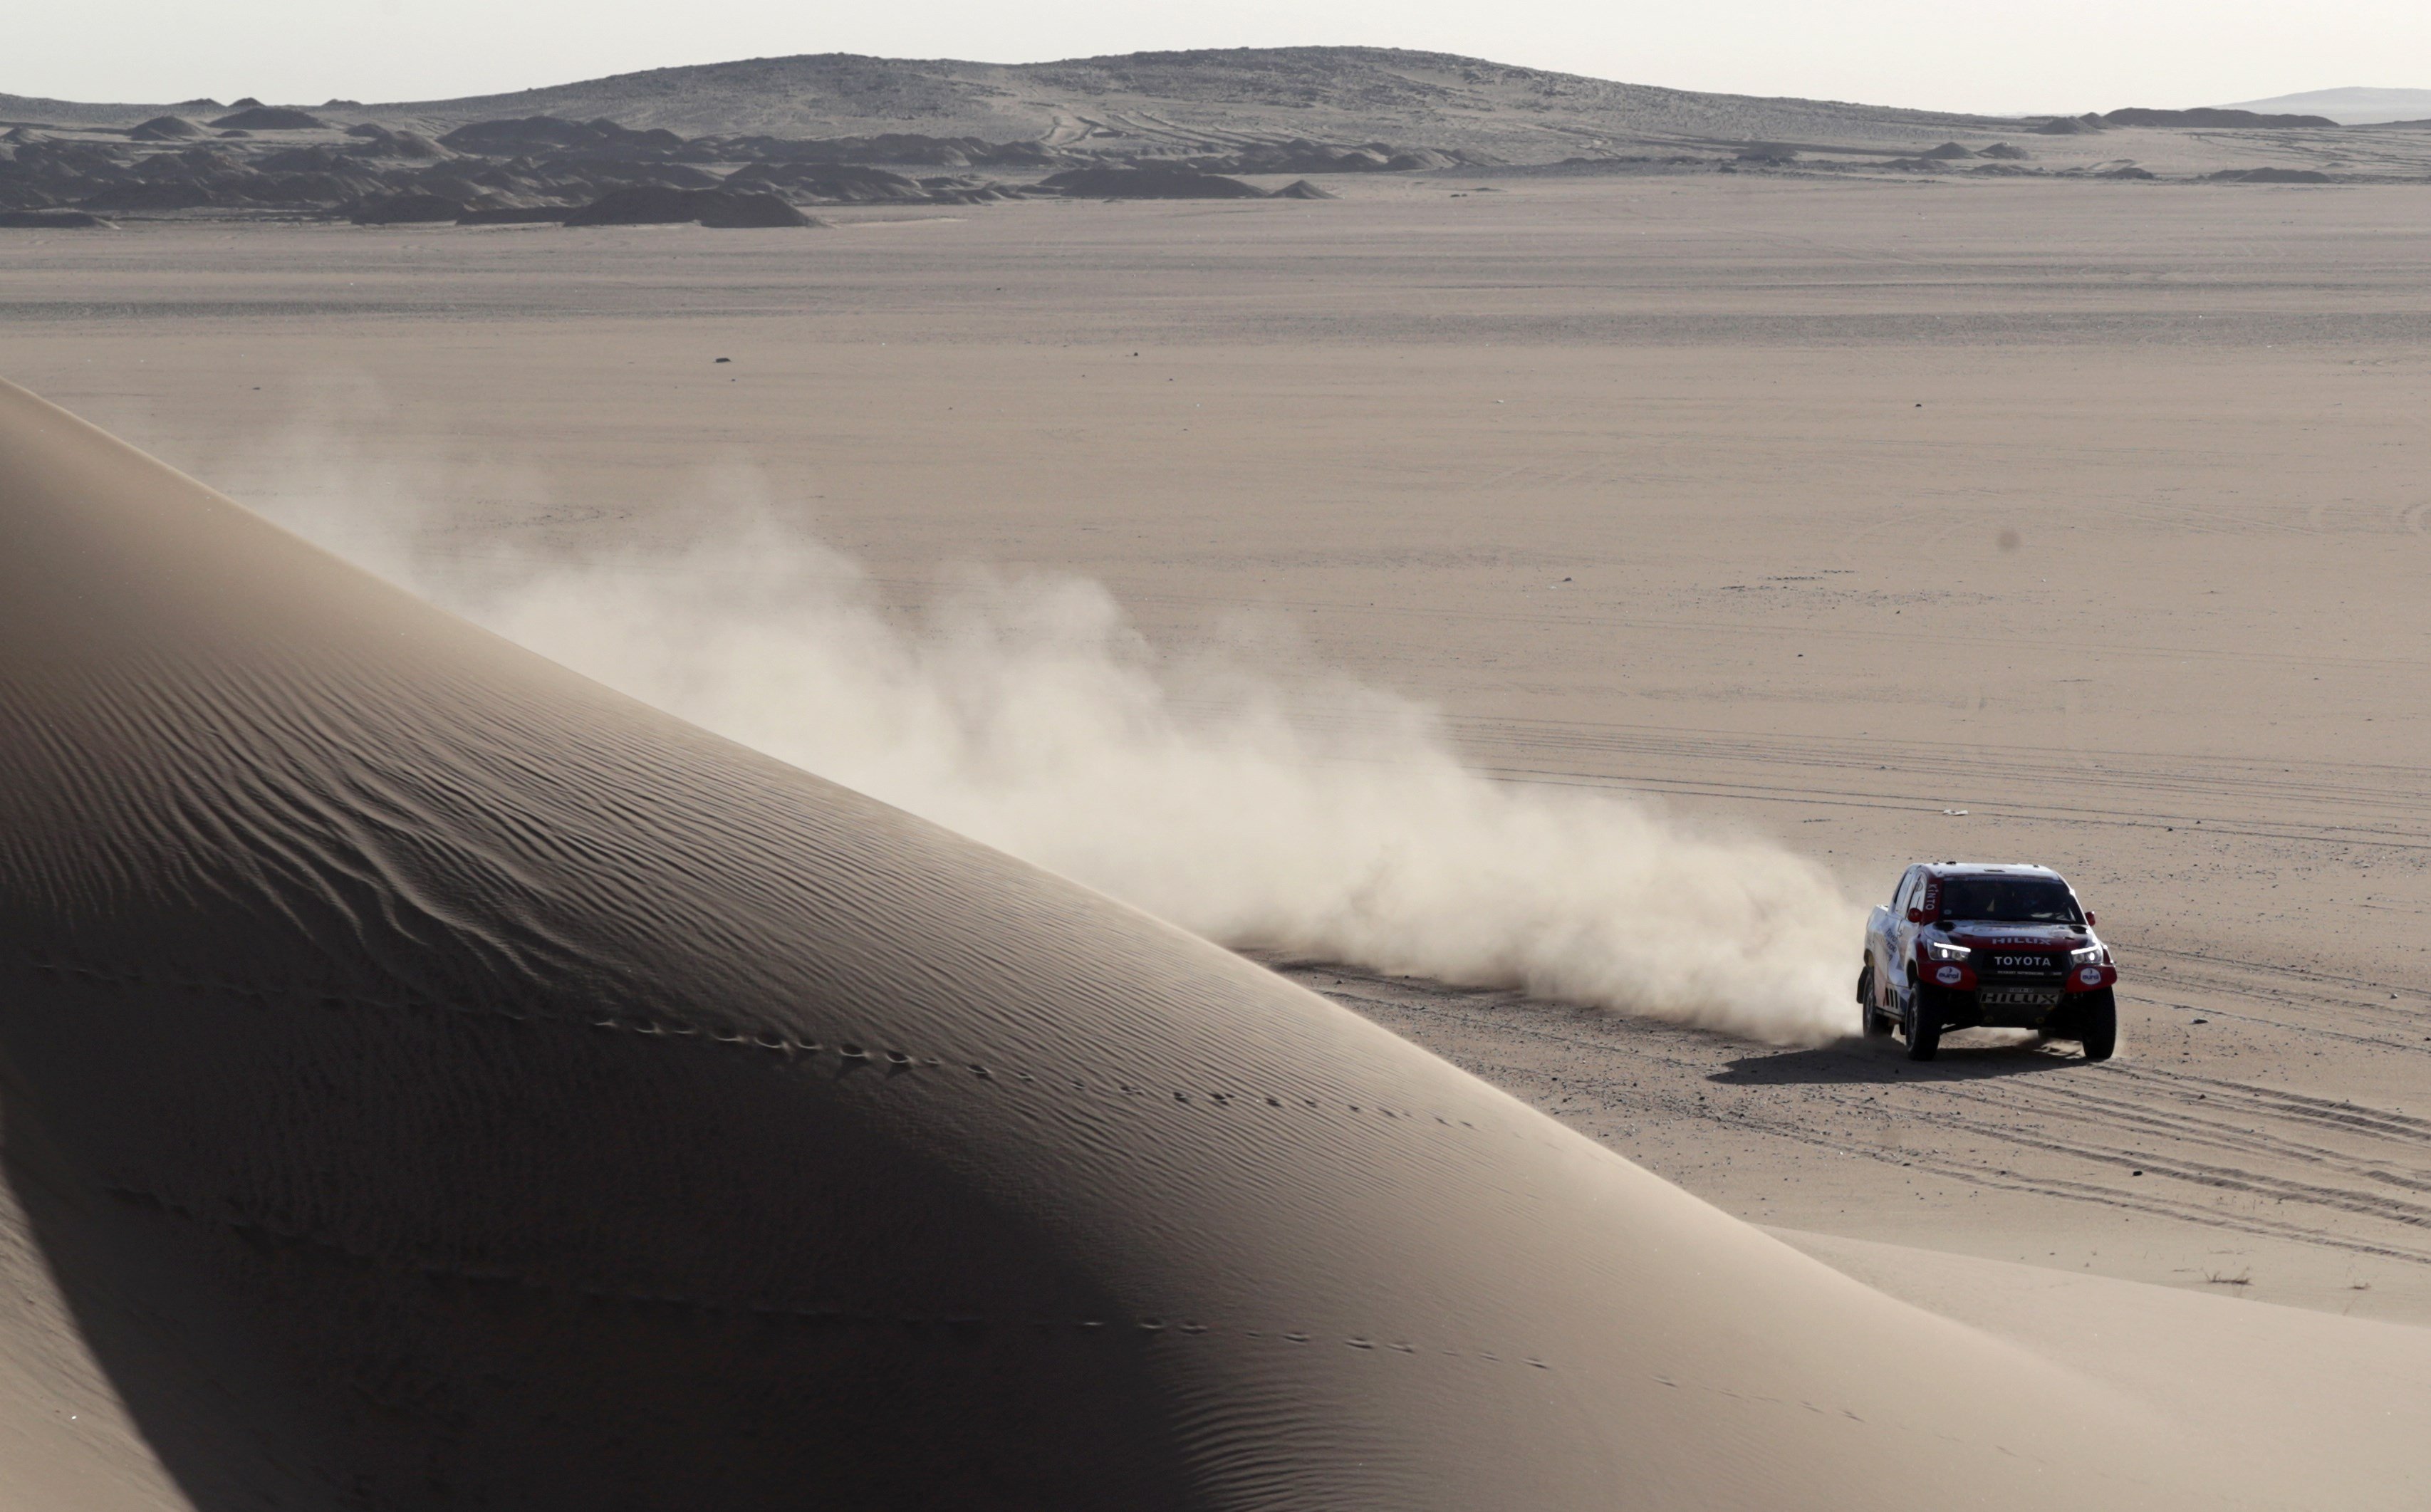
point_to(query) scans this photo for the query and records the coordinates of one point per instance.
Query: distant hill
(2210, 115)
(1190, 101)
(1150, 102)
(35, 110)
(1294, 111)
(2350, 107)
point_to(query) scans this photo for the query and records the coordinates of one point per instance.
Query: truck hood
(2020, 937)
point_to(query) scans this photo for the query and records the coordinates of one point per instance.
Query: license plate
(2017, 998)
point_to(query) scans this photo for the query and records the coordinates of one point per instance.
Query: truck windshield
(2010, 900)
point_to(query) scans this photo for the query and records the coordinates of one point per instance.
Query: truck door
(1924, 892)
(1887, 972)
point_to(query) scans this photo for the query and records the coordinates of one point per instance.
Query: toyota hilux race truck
(1965, 944)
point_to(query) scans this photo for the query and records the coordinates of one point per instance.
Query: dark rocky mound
(1916, 166)
(1301, 156)
(908, 148)
(944, 152)
(656, 205)
(641, 204)
(1948, 150)
(271, 118)
(207, 175)
(1147, 183)
(407, 209)
(2069, 126)
(964, 190)
(2002, 150)
(2005, 169)
(317, 158)
(50, 220)
(1302, 189)
(37, 172)
(2268, 176)
(847, 184)
(1767, 152)
(723, 210)
(239, 131)
(546, 133)
(165, 129)
(2209, 117)
(513, 216)
(677, 175)
(367, 173)
(2131, 170)
(158, 195)
(382, 142)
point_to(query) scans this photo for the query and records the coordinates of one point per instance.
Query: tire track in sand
(2221, 1151)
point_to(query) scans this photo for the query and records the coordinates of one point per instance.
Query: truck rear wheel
(2097, 1024)
(1876, 1026)
(1922, 1023)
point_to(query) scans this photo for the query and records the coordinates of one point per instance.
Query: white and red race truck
(1966, 945)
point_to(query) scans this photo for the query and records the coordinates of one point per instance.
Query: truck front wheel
(1921, 1021)
(1875, 1024)
(2097, 1024)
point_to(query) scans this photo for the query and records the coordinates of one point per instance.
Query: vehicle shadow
(1885, 1059)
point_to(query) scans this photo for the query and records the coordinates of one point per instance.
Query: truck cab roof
(1988, 868)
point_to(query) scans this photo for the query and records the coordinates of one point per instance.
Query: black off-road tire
(1876, 1026)
(2097, 1024)
(1924, 1025)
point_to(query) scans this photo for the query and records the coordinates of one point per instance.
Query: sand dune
(432, 1078)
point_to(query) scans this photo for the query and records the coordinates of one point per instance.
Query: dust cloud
(1264, 809)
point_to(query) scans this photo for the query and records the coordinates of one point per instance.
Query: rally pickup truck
(1969, 945)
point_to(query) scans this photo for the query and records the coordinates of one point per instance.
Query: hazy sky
(2051, 54)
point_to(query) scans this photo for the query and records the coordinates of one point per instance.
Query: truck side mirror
(1918, 916)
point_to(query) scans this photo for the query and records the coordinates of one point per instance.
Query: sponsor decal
(1948, 976)
(2090, 976)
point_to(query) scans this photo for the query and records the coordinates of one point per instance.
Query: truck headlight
(1936, 950)
(2090, 955)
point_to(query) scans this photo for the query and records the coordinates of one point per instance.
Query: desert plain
(2081, 523)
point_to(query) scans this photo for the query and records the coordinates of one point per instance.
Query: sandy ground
(2198, 1161)
(2095, 510)
(435, 1079)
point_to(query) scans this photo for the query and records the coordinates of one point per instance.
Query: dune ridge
(432, 1078)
